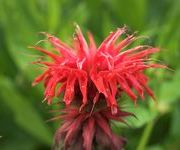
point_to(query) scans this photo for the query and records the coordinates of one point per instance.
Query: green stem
(145, 136)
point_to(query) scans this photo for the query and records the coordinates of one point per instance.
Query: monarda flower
(91, 78)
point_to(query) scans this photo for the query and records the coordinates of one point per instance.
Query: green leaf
(143, 115)
(169, 91)
(25, 114)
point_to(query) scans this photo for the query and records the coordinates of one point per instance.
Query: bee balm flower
(88, 71)
(91, 78)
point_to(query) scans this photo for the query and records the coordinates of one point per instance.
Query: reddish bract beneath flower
(80, 131)
(93, 71)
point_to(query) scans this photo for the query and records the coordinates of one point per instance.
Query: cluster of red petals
(80, 131)
(106, 70)
(90, 78)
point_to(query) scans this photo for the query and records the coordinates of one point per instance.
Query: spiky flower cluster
(91, 78)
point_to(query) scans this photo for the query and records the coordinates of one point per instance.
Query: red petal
(82, 79)
(64, 49)
(98, 81)
(61, 89)
(108, 43)
(144, 53)
(124, 54)
(110, 98)
(92, 45)
(124, 86)
(69, 93)
(136, 85)
(143, 81)
(53, 56)
(40, 78)
(82, 41)
(125, 42)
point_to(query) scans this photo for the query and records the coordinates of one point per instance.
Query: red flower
(85, 72)
(80, 131)
(90, 80)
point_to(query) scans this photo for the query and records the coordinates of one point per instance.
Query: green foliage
(25, 115)
(22, 114)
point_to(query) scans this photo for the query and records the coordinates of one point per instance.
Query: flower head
(91, 78)
(84, 72)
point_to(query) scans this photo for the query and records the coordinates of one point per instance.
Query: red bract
(81, 131)
(84, 72)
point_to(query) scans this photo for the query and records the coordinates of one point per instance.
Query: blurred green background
(23, 117)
